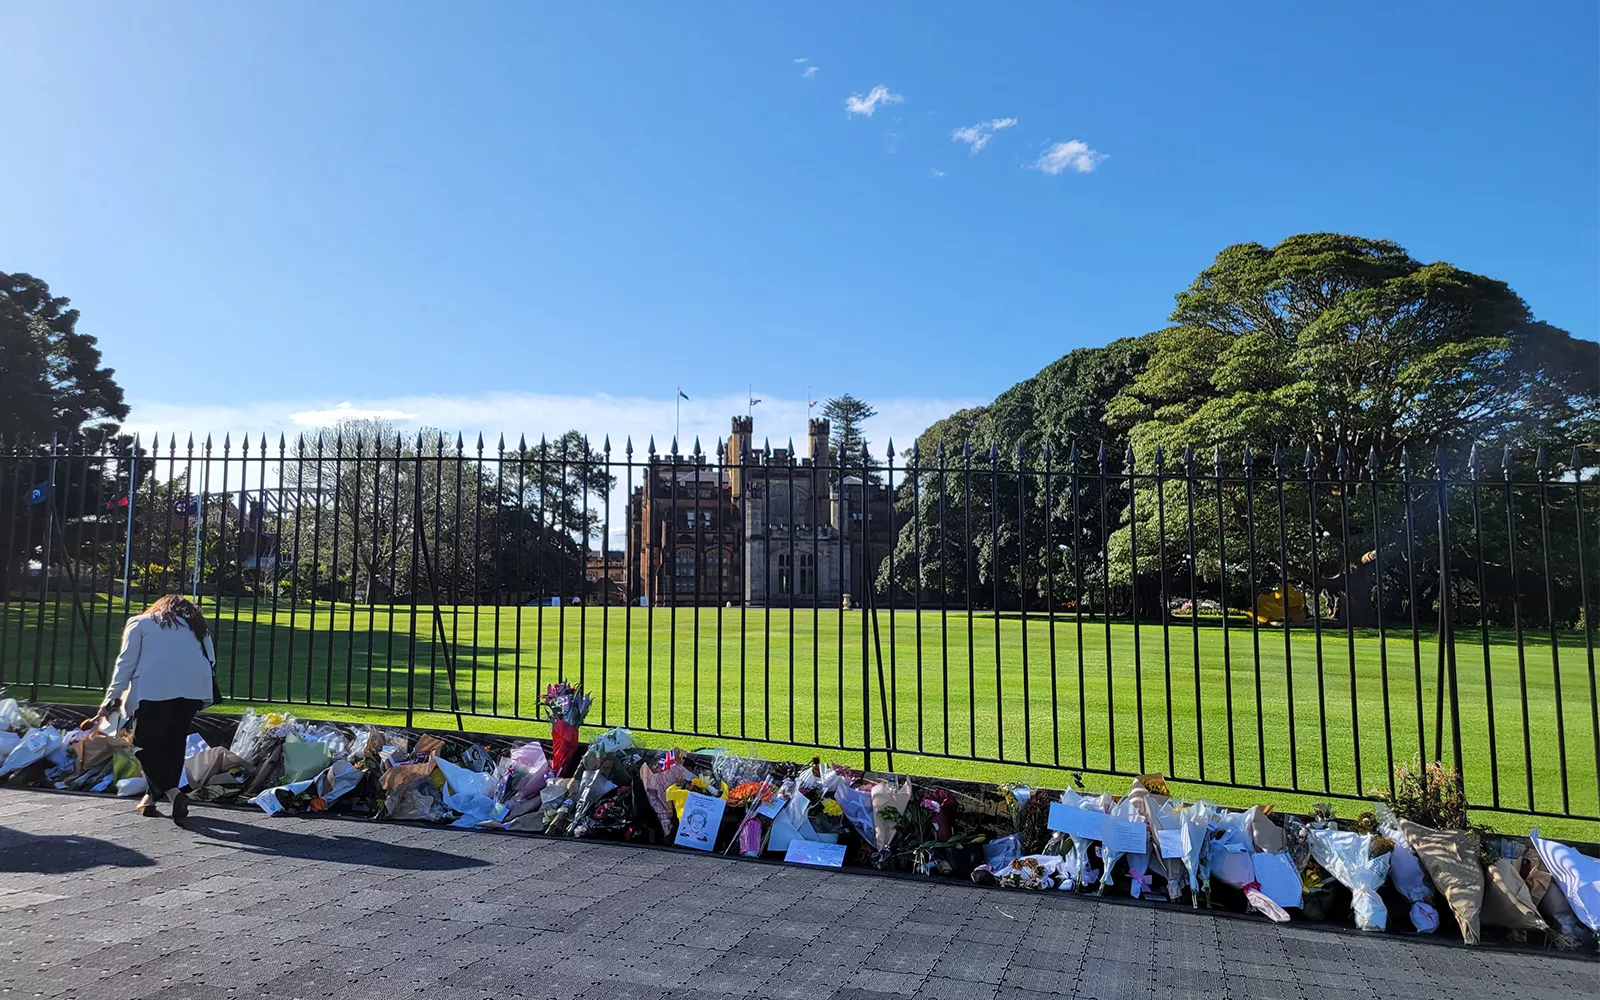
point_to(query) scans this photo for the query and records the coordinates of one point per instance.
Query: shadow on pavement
(64, 853)
(370, 853)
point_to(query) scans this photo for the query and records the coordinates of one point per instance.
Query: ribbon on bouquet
(1272, 911)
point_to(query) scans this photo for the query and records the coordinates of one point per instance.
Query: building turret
(738, 454)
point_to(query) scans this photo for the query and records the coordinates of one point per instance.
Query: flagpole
(677, 413)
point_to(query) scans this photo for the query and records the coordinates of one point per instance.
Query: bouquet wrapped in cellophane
(565, 705)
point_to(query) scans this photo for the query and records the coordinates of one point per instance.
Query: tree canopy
(1342, 342)
(1325, 345)
(51, 378)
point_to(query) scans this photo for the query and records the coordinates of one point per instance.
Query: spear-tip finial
(1541, 462)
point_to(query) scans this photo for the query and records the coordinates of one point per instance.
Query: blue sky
(528, 217)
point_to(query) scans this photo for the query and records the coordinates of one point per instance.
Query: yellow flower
(698, 784)
(832, 808)
(275, 719)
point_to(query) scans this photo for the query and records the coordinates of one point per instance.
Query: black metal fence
(1291, 624)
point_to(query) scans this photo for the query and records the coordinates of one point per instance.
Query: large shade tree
(52, 382)
(1336, 356)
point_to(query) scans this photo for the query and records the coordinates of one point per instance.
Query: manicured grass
(987, 687)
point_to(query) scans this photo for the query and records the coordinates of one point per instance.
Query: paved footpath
(100, 903)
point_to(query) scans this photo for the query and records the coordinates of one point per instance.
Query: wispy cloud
(858, 104)
(801, 60)
(978, 136)
(809, 72)
(1074, 154)
(936, 172)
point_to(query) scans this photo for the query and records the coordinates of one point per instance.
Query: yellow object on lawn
(1269, 607)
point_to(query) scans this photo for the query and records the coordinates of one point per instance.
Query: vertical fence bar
(1541, 466)
(1227, 650)
(1446, 623)
(1507, 466)
(1165, 600)
(1022, 602)
(1412, 601)
(1383, 641)
(1280, 473)
(1194, 613)
(1586, 613)
(1475, 477)
(1315, 607)
(1050, 606)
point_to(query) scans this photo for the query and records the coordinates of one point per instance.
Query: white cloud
(810, 72)
(1074, 154)
(347, 411)
(978, 136)
(937, 172)
(802, 59)
(857, 104)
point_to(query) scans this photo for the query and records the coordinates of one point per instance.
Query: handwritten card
(1080, 823)
(1125, 837)
(1171, 843)
(814, 852)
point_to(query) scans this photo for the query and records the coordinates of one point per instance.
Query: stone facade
(764, 528)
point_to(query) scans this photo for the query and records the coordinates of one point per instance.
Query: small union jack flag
(669, 758)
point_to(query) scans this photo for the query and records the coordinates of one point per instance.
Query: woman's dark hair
(174, 608)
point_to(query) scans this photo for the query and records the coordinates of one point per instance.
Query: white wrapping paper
(1577, 874)
(1347, 857)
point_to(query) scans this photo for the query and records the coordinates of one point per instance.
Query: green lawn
(773, 677)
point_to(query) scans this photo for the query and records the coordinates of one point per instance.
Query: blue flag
(39, 494)
(186, 506)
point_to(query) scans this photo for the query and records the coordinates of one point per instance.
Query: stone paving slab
(97, 902)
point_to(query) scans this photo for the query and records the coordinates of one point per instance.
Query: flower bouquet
(1077, 873)
(1450, 857)
(565, 705)
(752, 797)
(658, 777)
(1127, 810)
(1231, 854)
(1348, 856)
(925, 835)
(1405, 873)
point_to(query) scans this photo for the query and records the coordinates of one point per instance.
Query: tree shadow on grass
(62, 854)
(252, 839)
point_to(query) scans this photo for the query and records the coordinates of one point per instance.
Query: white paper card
(1125, 837)
(702, 818)
(1279, 881)
(1080, 823)
(812, 852)
(1171, 843)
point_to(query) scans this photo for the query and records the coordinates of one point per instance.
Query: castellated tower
(739, 437)
(818, 432)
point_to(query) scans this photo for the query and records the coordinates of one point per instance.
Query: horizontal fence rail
(1290, 624)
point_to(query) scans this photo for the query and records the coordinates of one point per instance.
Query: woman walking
(163, 676)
